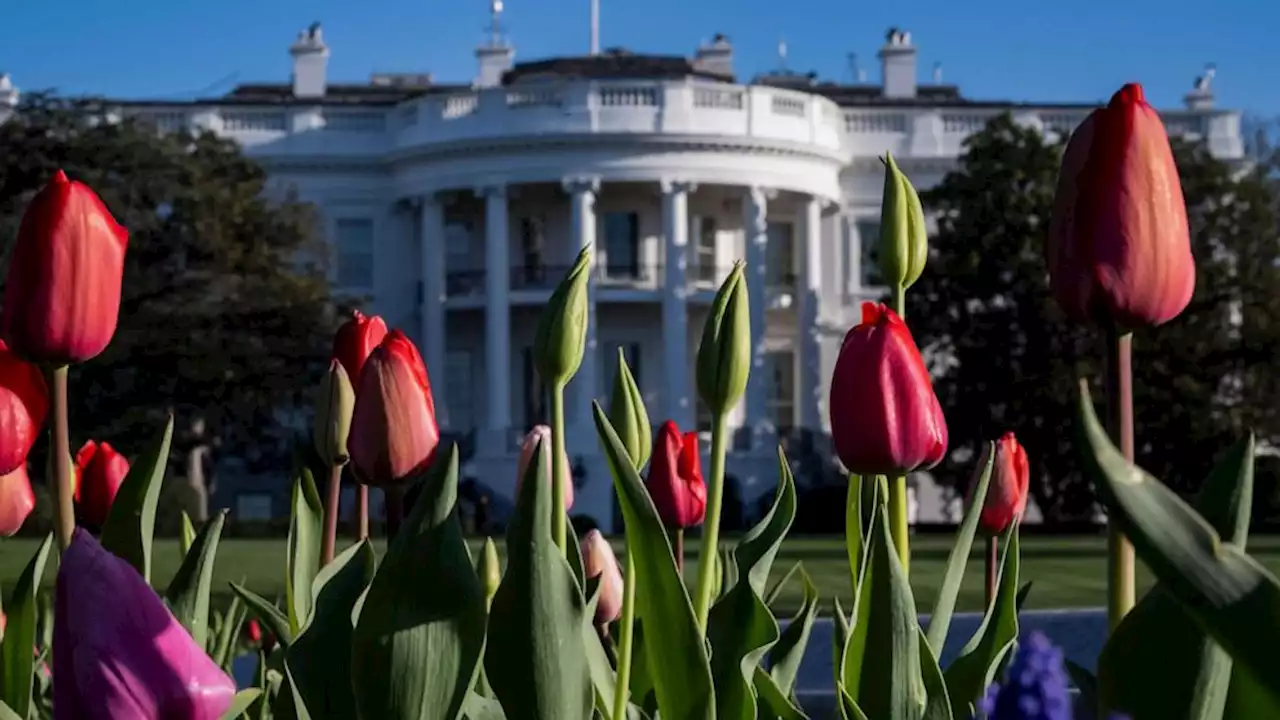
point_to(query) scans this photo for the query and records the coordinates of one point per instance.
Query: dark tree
(226, 312)
(1007, 358)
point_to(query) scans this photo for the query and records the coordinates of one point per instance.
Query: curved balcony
(683, 108)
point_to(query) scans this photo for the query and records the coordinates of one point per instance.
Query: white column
(431, 243)
(585, 386)
(497, 316)
(808, 363)
(755, 238)
(677, 391)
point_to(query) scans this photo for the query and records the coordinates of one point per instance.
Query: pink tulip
(17, 500)
(599, 561)
(542, 433)
(119, 652)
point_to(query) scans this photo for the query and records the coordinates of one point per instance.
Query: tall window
(532, 249)
(457, 247)
(355, 253)
(459, 380)
(622, 244)
(537, 401)
(869, 242)
(780, 267)
(631, 351)
(704, 250)
(780, 379)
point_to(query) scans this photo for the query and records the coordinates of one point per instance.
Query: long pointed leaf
(788, 652)
(774, 702)
(740, 627)
(674, 649)
(188, 594)
(945, 605)
(938, 705)
(266, 612)
(1224, 590)
(306, 523)
(17, 661)
(1195, 674)
(417, 645)
(241, 702)
(131, 523)
(535, 658)
(970, 674)
(319, 660)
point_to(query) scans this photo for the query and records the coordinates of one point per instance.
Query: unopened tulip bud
(394, 434)
(628, 415)
(562, 328)
(724, 357)
(598, 561)
(903, 242)
(99, 472)
(489, 571)
(1007, 491)
(335, 402)
(541, 435)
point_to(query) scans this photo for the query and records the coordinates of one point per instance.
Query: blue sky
(1077, 50)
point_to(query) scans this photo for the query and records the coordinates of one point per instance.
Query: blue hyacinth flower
(1036, 687)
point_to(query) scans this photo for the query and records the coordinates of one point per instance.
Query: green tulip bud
(335, 401)
(724, 357)
(489, 571)
(562, 327)
(903, 242)
(628, 415)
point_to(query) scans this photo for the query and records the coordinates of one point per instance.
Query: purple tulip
(119, 653)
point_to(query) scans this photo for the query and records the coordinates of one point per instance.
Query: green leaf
(938, 704)
(7, 713)
(319, 660)
(267, 613)
(786, 655)
(188, 594)
(740, 627)
(1225, 591)
(1194, 673)
(839, 639)
(775, 591)
(774, 702)
(535, 659)
(187, 534)
(970, 674)
(229, 633)
(675, 652)
(854, 531)
(1248, 699)
(241, 702)
(306, 529)
(882, 658)
(1086, 683)
(17, 661)
(573, 553)
(482, 708)
(849, 709)
(945, 605)
(131, 522)
(417, 645)
(727, 564)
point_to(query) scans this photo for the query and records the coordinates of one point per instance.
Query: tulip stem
(899, 525)
(1120, 557)
(362, 512)
(993, 562)
(711, 527)
(677, 549)
(331, 507)
(558, 470)
(60, 483)
(625, 633)
(900, 301)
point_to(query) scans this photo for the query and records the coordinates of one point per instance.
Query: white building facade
(456, 208)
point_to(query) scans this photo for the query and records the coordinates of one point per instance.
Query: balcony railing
(640, 275)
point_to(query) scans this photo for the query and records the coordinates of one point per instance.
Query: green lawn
(1067, 572)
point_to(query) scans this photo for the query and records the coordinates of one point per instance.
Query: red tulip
(100, 470)
(1007, 491)
(17, 500)
(253, 631)
(1119, 245)
(542, 433)
(394, 434)
(885, 419)
(24, 400)
(62, 297)
(675, 478)
(355, 340)
(599, 561)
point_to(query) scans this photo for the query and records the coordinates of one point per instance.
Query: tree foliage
(1009, 359)
(226, 311)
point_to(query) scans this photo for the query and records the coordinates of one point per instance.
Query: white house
(456, 207)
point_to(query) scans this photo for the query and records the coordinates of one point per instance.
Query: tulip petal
(24, 402)
(129, 657)
(394, 434)
(17, 500)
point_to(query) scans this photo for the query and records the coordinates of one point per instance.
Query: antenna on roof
(782, 55)
(595, 27)
(495, 23)
(856, 73)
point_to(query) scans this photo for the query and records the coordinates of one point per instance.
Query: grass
(1067, 572)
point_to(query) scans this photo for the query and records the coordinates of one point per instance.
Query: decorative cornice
(581, 185)
(671, 186)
